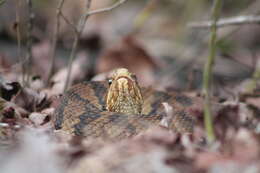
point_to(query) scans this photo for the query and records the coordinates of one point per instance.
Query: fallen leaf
(128, 53)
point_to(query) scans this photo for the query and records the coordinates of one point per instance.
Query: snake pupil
(110, 81)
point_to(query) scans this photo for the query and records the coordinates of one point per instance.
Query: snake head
(124, 94)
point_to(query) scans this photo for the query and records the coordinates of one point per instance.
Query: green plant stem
(255, 78)
(207, 74)
(2, 2)
(145, 13)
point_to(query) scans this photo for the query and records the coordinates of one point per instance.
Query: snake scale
(118, 108)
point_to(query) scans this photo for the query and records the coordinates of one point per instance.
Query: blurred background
(153, 38)
(166, 44)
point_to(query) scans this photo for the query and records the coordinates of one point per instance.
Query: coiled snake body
(118, 108)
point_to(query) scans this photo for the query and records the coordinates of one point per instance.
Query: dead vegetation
(166, 50)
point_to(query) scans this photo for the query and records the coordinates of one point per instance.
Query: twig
(80, 27)
(69, 23)
(117, 4)
(239, 20)
(207, 73)
(18, 34)
(55, 38)
(29, 42)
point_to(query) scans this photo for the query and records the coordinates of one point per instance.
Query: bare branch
(81, 24)
(117, 4)
(29, 42)
(18, 35)
(54, 41)
(80, 28)
(239, 20)
(68, 22)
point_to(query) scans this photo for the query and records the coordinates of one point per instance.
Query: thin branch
(18, 34)
(68, 22)
(117, 4)
(54, 42)
(29, 42)
(80, 28)
(239, 20)
(207, 73)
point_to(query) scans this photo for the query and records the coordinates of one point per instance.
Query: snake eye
(110, 81)
(134, 77)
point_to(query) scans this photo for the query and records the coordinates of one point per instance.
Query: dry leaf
(128, 53)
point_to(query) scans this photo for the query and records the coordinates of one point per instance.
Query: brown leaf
(29, 99)
(9, 107)
(128, 53)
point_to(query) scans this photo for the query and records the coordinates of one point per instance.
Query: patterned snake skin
(83, 111)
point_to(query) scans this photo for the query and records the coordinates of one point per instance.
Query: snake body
(97, 109)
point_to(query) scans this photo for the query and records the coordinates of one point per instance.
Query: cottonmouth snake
(118, 108)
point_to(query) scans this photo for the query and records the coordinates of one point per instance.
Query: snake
(119, 108)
